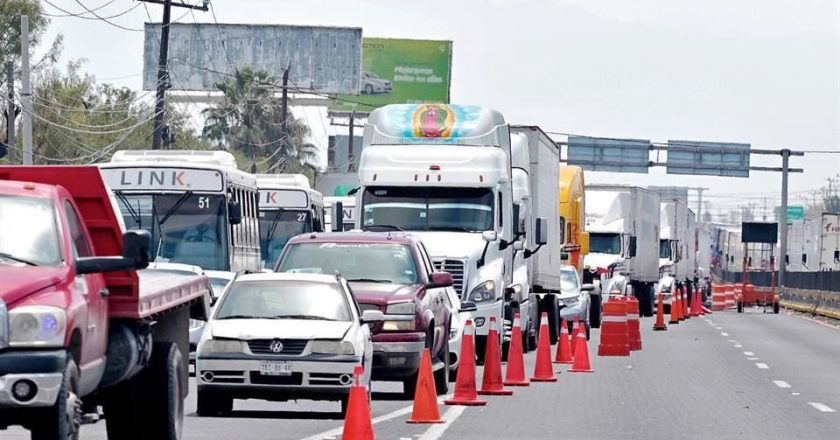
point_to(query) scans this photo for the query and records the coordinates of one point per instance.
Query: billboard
(759, 232)
(708, 158)
(613, 155)
(399, 71)
(201, 55)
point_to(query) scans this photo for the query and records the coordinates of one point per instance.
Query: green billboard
(399, 71)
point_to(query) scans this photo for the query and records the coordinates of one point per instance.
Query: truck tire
(212, 405)
(553, 318)
(164, 380)
(776, 308)
(595, 311)
(62, 420)
(740, 307)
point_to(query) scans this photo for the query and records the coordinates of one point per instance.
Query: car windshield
(429, 209)
(664, 249)
(284, 299)
(373, 262)
(186, 228)
(39, 244)
(604, 243)
(569, 281)
(276, 228)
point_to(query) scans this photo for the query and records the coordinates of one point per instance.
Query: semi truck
(623, 226)
(677, 241)
(288, 206)
(444, 173)
(83, 332)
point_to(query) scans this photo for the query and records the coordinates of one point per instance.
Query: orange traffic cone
(465, 392)
(491, 382)
(564, 349)
(695, 303)
(358, 424)
(660, 314)
(425, 397)
(575, 331)
(515, 373)
(581, 363)
(685, 313)
(543, 371)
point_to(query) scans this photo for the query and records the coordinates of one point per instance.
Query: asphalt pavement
(722, 376)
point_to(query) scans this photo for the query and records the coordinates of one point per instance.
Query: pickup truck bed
(160, 291)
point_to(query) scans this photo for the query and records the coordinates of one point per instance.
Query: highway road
(723, 376)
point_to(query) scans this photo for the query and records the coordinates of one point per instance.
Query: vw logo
(276, 346)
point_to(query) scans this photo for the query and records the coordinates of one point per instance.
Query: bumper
(240, 378)
(481, 317)
(43, 369)
(394, 360)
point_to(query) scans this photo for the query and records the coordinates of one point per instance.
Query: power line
(77, 14)
(95, 16)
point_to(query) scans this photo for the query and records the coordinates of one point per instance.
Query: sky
(763, 72)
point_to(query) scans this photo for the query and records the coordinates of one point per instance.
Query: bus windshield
(429, 209)
(186, 228)
(277, 226)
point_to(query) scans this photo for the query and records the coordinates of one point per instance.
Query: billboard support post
(783, 220)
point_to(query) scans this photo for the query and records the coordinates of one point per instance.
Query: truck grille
(291, 347)
(456, 268)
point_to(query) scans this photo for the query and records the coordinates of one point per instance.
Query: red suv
(390, 272)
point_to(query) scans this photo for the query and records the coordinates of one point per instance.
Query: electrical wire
(79, 14)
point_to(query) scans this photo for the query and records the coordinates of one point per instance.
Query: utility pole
(351, 167)
(783, 220)
(284, 110)
(12, 113)
(700, 203)
(26, 92)
(163, 68)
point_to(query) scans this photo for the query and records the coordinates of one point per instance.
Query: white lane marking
(795, 394)
(739, 345)
(821, 407)
(749, 353)
(762, 366)
(752, 359)
(733, 341)
(435, 431)
(724, 334)
(718, 328)
(781, 384)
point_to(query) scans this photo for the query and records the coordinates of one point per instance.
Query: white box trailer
(829, 247)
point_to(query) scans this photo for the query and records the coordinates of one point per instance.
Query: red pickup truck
(82, 332)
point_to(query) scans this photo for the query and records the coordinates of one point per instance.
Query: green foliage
(248, 122)
(10, 13)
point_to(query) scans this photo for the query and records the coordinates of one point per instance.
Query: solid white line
(749, 353)
(762, 366)
(724, 334)
(781, 384)
(821, 407)
(435, 431)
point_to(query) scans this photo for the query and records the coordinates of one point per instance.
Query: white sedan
(283, 337)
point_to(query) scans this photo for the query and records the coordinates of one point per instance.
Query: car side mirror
(372, 316)
(440, 279)
(468, 306)
(489, 236)
(136, 244)
(337, 220)
(541, 227)
(234, 213)
(587, 288)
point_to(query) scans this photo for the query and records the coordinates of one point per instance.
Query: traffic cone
(634, 334)
(491, 381)
(675, 306)
(425, 397)
(465, 392)
(543, 371)
(695, 296)
(564, 349)
(581, 363)
(358, 424)
(515, 373)
(660, 315)
(684, 312)
(575, 331)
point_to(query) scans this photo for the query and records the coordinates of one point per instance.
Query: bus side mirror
(234, 213)
(337, 220)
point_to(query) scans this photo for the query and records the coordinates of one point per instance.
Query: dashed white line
(795, 394)
(724, 334)
(739, 345)
(435, 431)
(752, 359)
(822, 407)
(762, 366)
(749, 353)
(781, 384)
(733, 341)
(718, 328)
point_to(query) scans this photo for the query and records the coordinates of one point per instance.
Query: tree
(248, 123)
(10, 13)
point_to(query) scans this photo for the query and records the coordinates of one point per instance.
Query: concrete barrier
(815, 302)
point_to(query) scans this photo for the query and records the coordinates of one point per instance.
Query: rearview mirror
(337, 220)
(234, 213)
(371, 316)
(541, 227)
(468, 306)
(489, 236)
(440, 279)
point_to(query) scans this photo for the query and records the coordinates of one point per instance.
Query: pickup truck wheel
(210, 405)
(62, 420)
(164, 381)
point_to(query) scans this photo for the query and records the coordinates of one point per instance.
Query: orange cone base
(572, 370)
(660, 327)
(462, 402)
(422, 422)
(543, 379)
(495, 392)
(613, 351)
(523, 383)
(674, 321)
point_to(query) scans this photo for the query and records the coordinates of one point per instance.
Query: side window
(500, 208)
(81, 245)
(427, 261)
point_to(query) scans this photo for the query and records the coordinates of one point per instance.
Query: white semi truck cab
(444, 173)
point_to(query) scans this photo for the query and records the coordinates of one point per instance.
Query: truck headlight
(484, 292)
(403, 308)
(4, 325)
(37, 326)
(211, 346)
(398, 326)
(333, 347)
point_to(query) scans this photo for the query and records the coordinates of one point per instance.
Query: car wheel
(368, 89)
(210, 405)
(64, 418)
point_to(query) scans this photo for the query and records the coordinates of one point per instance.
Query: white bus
(199, 207)
(288, 206)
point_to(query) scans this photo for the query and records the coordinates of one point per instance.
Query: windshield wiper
(369, 280)
(310, 317)
(135, 214)
(382, 228)
(273, 227)
(17, 259)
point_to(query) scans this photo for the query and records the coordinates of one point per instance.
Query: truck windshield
(664, 249)
(276, 228)
(186, 228)
(429, 209)
(604, 243)
(38, 244)
(370, 262)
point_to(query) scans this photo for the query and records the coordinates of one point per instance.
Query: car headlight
(37, 326)
(333, 347)
(398, 326)
(403, 308)
(4, 325)
(215, 346)
(484, 292)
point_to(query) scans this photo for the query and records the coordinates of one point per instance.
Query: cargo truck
(623, 226)
(83, 331)
(677, 241)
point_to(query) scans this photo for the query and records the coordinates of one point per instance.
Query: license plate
(275, 368)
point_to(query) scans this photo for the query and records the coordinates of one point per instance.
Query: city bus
(288, 206)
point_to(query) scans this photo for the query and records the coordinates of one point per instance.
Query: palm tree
(248, 121)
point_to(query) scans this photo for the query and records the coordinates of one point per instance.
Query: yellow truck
(573, 216)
